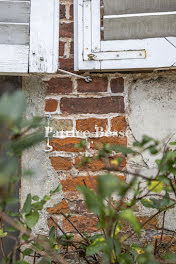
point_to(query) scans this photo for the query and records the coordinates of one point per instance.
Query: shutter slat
(14, 11)
(118, 7)
(14, 33)
(140, 26)
(14, 58)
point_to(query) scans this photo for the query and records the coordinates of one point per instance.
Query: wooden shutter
(29, 36)
(139, 19)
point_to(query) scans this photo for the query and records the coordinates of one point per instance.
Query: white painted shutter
(29, 36)
(139, 19)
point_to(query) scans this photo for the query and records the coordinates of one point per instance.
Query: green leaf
(21, 262)
(129, 216)
(25, 237)
(155, 186)
(12, 107)
(92, 201)
(27, 205)
(2, 234)
(58, 189)
(35, 198)
(147, 203)
(32, 219)
(124, 150)
(107, 185)
(52, 234)
(27, 252)
(98, 245)
(170, 257)
(125, 259)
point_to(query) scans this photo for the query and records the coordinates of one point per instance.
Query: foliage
(119, 236)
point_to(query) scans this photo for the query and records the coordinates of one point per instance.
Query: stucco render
(44, 177)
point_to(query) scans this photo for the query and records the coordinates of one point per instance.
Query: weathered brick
(60, 163)
(59, 86)
(61, 207)
(66, 30)
(69, 185)
(90, 124)
(117, 85)
(150, 225)
(72, 48)
(78, 207)
(66, 64)
(95, 143)
(51, 105)
(65, 144)
(98, 84)
(71, 12)
(88, 223)
(62, 124)
(166, 241)
(97, 165)
(103, 105)
(62, 11)
(61, 48)
(51, 223)
(118, 124)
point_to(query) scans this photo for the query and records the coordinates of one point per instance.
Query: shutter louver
(14, 35)
(139, 19)
(29, 36)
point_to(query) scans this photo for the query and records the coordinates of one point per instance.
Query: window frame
(91, 53)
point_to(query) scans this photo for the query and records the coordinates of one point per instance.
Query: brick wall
(79, 106)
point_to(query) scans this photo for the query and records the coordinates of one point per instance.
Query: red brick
(83, 223)
(72, 48)
(78, 207)
(98, 84)
(166, 241)
(69, 185)
(117, 85)
(150, 225)
(103, 105)
(97, 143)
(66, 30)
(118, 123)
(71, 12)
(51, 105)
(90, 124)
(61, 48)
(59, 86)
(61, 207)
(97, 165)
(65, 144)
(66, 64)
(62, 11)
(60, 163)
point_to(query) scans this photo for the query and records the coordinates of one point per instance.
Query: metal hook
(49, 147)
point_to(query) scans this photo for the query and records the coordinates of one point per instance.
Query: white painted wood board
(15, 11)
(44, 36)
(140, 26)
(14, 33)
(117, 7)
(14, 58)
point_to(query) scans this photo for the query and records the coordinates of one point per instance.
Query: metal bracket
(86, 78)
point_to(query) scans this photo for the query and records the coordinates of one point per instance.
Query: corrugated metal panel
(139, 26)
(118, 7)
